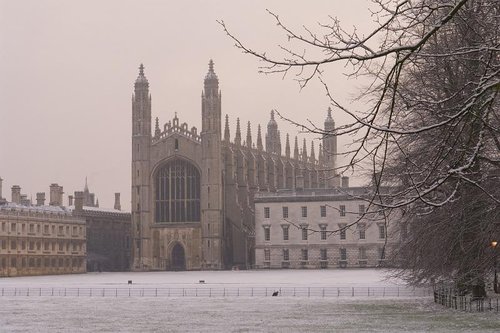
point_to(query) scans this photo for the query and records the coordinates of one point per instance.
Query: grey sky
(67, 70)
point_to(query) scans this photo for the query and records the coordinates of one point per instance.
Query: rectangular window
(362, 233)
(381, 253)
(285, 232)
(13, 245)
(381, 231)
(267, 212)
(286, 255)
(13, 227)
(342, 228)
(343, 254)
(323, 254)
(3, 226)
(61, 230)
(304, 211)
(305, 254)
(46, 229)
(32, 228)
(362, 253)
(4, 244)
(322, 210)
(322, 232)
(342, 210)
(267, 234)
(304, 233)
(361, 209)
(267, 254)
(285, 212)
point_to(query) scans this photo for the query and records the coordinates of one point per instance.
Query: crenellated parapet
(173, 127)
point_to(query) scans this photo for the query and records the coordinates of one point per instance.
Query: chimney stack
(56, 194)
(40, 199)
(117, 201)
(78, 201)
(345, 181)
(70, 200)
(16, 194)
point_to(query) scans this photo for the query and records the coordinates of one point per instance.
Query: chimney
(70, 200)
(56, 194)
(24, 200)
(40, 199)
(1, 180)
(117, 202)
(16, 194)
(345, 181)
(78, 201)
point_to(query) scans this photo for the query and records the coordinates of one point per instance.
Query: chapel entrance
(178, 258)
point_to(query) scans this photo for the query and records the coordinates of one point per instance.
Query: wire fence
(220, 292)
(451, 299)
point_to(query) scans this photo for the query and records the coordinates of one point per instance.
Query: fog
(67, 70)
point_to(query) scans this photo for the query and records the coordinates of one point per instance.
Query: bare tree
(431, 127)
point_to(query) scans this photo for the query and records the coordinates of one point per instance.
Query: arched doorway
(178, 258)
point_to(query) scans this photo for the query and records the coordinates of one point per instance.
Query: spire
(237, 136)
(296, 149)
(304, 151)
(141, 83)
(287, 146)
(226, 130)
(329, 123)
(157, 128)
(259, 139)
(273, 144)
(211, 81)
(312, 157)
(86, 188)
(97, 203)
(320, 154)
(249, 136)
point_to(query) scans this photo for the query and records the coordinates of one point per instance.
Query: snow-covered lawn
(229, 314)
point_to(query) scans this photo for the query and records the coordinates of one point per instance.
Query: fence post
(210, 292)
(308, 291)
(156, 292)
(40, 292)
(368, 291)
(352, 291)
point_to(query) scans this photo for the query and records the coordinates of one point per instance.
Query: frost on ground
(231, 314)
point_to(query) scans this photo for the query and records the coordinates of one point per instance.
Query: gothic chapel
(192, 193)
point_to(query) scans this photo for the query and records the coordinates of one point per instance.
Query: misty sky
(67, 70)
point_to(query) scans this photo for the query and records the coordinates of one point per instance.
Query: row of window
(47, 229)
(37, 245)
(322, 211)
(323, 254)
(323, 232)
(39, 263)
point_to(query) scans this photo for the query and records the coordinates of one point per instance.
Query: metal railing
(450, 299)
(207, 291)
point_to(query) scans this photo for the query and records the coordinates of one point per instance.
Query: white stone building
(320, 228)
(39, 240)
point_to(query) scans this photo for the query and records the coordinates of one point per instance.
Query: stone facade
(108, 232)
(300, 229)
(39, 240)
(192, 193)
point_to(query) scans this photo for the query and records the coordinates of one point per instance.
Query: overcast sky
(67, 70)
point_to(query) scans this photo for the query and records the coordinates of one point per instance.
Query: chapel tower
(211, 181)
(141, 140)
(330, 150)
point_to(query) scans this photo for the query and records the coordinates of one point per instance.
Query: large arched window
(177, 192)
